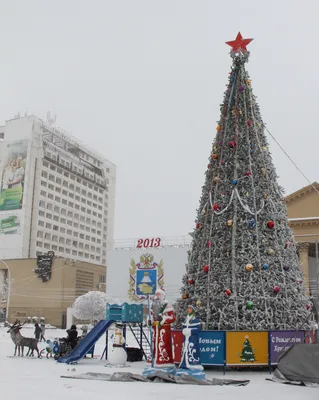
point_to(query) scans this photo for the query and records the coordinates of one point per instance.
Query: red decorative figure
(163, 316)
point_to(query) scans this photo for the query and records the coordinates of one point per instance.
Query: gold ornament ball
(248, 81)
(230, 223)
(216, 179)
(270, 251)
(198, 303)
(185, 296)
(249, 267)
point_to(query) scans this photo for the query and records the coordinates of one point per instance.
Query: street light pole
(8, 289)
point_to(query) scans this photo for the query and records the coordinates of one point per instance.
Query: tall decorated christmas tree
(243, 271)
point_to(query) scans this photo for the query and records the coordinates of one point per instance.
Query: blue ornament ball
(234, 181)
(252, 223)
(265, 267)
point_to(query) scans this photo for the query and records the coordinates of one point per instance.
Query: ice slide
(85, 345)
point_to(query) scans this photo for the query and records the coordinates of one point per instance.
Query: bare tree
(90, 306)
(3, 286)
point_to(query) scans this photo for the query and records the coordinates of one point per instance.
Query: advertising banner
(281, 341)
(13, 165)
(246, 348)
(10, 224)
(212, 347)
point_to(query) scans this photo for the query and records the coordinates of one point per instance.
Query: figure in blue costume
(191, 353)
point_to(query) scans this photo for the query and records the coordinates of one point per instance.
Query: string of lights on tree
(243, 270)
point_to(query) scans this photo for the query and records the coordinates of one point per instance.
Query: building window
(47, 236)
(46, 245)
(59, 181)
(50, 196)
(102, 279)
(69, 232)
(54, 247)
(63, 211)
(44, 174)
(49, 216)
(62, 230)
(68, 251)
(63, 220)
(51, 178)
(41, 203)
(48, 226)
(58, 190)
(57, 198)
(40, 223)
(87, 237)
(54, 238)
(75, 234)
(43, 184)
(40, 234)
(43, 193)
(61, 249)
(68, 242)
(65, 192)
(49, 206)
(74, 252)
(61, 239)
(39, 244)
(82, 235)
(51, 187)
(55, 227)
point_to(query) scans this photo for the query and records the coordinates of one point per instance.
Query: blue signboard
(212, 347)
(146, 282)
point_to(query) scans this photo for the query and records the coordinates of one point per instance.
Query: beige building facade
(303, 215)
(29, 296)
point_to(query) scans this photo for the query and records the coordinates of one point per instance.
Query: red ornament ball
(231, 144)
(191, 281)
(216, 207)
(270, 224)
(249, 123)
(206, 268)
(227, 292)
(276, 289)
(308, 306)
(198, 226)
(209, 243)
(248, 173)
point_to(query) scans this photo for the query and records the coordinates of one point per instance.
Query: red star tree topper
(239, 43)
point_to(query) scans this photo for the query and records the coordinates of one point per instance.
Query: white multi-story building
(55, 194)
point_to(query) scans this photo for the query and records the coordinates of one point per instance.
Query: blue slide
(86, 344)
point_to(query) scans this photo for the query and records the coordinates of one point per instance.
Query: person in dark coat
(72, 336)
(37, 331)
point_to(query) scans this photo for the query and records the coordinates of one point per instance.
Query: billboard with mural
(13, 165)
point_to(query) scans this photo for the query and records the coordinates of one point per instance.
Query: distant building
(27, 295)
(55, 194)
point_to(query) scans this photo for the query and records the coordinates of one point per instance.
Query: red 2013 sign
(145, 243)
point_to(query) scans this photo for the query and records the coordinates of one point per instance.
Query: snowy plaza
(42, 377)
(230, 311)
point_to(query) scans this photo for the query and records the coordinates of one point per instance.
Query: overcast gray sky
(141, 81)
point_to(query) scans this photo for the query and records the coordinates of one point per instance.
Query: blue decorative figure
(190, 363)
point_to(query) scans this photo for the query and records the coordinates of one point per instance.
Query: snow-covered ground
(39, 379)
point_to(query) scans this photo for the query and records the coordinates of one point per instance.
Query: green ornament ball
(249, 305)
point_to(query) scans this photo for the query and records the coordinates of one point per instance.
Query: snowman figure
(118, 355)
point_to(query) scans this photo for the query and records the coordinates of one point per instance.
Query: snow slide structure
(125, 313)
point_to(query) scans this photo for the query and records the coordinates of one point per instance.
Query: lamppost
(8, 288)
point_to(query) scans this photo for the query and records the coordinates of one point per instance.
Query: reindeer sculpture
(21, 342)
